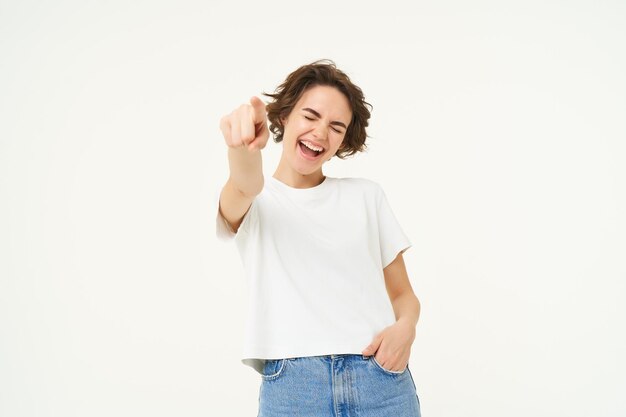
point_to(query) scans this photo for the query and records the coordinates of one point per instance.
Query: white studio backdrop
(497, 133)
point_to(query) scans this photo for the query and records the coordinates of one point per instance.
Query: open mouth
(308, 152)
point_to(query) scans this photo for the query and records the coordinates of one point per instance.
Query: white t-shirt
(313, 261)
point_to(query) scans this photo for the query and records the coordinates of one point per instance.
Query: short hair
(321, 72)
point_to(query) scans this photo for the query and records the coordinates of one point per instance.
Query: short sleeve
(223, 231)
(393, 240)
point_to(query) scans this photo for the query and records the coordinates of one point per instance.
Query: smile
(308, 153)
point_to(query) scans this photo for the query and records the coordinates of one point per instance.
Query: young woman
(332, 314)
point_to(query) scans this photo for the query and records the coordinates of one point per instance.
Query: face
(320, 119)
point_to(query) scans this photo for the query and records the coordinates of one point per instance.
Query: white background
(497, 133)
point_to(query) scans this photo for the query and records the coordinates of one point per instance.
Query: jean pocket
(273, 369)
(387, 371)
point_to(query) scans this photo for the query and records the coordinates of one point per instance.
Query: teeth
(311, 146)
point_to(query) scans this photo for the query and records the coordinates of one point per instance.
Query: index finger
(259, 109)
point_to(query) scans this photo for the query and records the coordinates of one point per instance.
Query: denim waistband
(333, 356)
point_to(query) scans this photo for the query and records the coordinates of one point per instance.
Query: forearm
(246, 170)
(406, 308)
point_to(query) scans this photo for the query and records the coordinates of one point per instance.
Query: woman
(332, 314)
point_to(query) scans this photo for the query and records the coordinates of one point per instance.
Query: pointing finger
(259, 109)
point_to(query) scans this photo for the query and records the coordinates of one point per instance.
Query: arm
(406, 306)
(245, 182)
(246, 133)
(392, 346)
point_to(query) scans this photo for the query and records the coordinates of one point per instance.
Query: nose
(320, 131)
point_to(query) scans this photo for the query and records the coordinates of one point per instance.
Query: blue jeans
(346, 385)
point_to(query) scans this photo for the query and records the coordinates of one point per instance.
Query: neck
(296, 180)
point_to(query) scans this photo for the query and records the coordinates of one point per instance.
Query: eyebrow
(319, 115)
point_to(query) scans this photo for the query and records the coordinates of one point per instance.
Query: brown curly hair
(321, 72)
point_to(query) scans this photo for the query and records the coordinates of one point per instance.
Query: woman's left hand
(392, 346)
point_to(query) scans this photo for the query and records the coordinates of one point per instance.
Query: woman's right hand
(246, 126)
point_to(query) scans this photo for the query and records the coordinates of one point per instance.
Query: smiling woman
(308, 141)
(320, 255)
(322, 73)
